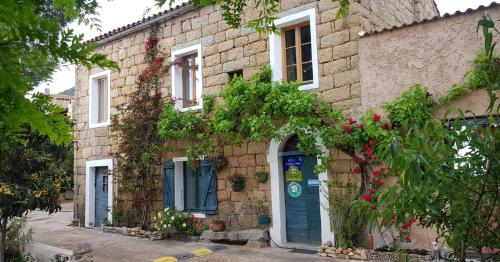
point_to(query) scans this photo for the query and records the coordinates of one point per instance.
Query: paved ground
(54, 230)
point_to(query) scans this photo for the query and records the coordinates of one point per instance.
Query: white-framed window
(99, 100)
(186, 78)
(190, 189)
(293, 52)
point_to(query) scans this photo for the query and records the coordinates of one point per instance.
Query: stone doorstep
(255, 238)
(45, 253)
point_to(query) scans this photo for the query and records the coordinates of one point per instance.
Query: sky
(117, 13)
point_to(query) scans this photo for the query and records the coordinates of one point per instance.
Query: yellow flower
(184, 225)
(169, 225)
(164, 226)
(159, 214)
(154, 218)
(172, 218)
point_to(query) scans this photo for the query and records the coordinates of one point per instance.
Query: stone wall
(224, 50)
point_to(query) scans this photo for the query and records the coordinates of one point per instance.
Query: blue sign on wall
(293, 169)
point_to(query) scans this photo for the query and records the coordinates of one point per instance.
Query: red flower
(405, 225)
(369, 154)
(372, 206)
(346, 128)
(378, 182)
(358, 160)
(413, 220)
(408, 238)
(361, 126)
(382, 170)
(375, 173)
(367, 197)
(376, 117)
(386, 126)
(357, 169)
(371, 142)
(369, 177)
(159, 60)
(352, 121)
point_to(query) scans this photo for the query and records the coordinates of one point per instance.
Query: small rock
(82, 249)
(349, 250)
(322, 248)
(350, 254)
(323, 255)
(329, 243)
(344, 252)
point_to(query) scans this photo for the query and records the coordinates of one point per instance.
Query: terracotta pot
(370, 242)
(218, 225)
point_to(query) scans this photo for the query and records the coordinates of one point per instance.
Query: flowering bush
(173, 221)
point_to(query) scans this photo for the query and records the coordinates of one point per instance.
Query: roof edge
(435, 18)
(141, 24)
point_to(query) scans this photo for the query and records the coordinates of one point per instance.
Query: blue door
(101, 195)
(303, 222)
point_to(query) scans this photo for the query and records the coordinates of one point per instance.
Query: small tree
(447, 171)
(32, 173)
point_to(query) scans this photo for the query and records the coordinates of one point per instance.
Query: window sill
(102, 124)
(309, 86)
(192, 108)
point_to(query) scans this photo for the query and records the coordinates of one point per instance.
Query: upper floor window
(99, 99)
(293, 53)
(186, 78)
(297, 52)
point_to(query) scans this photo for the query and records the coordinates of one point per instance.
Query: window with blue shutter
(200, 187)
(168, 185)
(209, 187)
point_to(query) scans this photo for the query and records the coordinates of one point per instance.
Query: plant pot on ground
(262, 176)
(218, 225)
(238, 182)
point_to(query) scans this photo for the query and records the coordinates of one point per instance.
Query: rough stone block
(345, 50)
(346, 78)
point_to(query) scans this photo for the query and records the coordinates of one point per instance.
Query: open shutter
(168, 185)
(209, 186)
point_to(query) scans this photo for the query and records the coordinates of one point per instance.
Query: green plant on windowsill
(262, 176)
(238, 182)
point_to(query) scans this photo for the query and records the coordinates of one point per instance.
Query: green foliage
(17, 236)
(412, 108)
(446, 173)
(347, 222)
(477, 78)
(34, 42)
(174, 221)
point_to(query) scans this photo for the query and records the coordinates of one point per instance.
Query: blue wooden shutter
(168, 185)
(209, 187)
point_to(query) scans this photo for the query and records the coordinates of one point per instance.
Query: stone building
(333, 67)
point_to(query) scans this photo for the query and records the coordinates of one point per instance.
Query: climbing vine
(139, 149)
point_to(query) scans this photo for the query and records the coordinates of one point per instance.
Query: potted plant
(262, 176)
(262, 217)
(257, 208)
(220, 162)
(238, 182)
(218, 225)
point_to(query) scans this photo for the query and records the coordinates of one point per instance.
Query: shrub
(174, 221)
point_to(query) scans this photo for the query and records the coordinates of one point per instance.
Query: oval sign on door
(294, 189)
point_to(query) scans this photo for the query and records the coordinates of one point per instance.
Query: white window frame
(90, 174)
(179, 184)
(177, 78)
(275, 48)
(93, 100)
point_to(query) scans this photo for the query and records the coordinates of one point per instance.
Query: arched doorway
(302, 206)
(299, 203)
